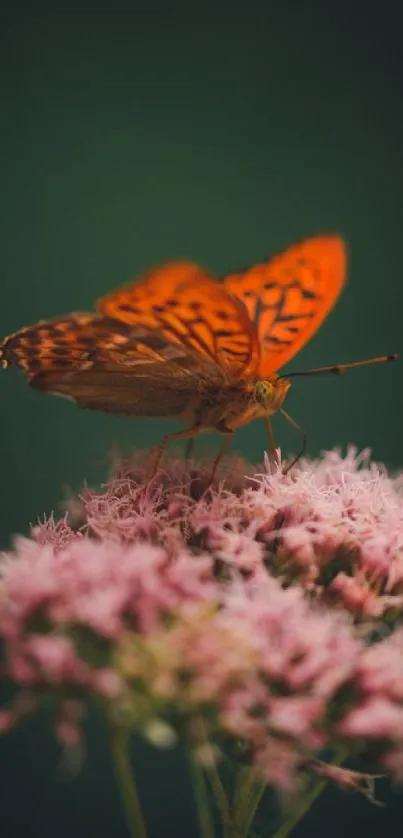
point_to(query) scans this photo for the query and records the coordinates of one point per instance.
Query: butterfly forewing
(289, 296)
(60, 343)
(185, 305)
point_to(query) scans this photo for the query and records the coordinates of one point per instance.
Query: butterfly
(178, 343)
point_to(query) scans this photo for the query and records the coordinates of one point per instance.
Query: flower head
(242, 614)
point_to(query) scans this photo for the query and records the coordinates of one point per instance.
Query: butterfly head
(271, 393)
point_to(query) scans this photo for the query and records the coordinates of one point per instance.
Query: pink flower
(375, 718)
(248, 606)
(57, 533)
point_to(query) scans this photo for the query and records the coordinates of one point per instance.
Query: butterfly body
(179, 344)
(230, 407)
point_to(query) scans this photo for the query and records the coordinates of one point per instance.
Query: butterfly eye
(264, 392)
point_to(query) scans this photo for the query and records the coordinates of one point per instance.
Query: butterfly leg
(189, 448)
(220, 455)
(189, 434)
(272, 443)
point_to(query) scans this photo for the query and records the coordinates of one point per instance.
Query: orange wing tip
(336, 249)
(326, 239)
(339, 248)
(334, 244)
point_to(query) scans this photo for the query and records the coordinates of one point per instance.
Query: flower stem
(243, 785)
(306, 803)
(256, 794)
(126, 783)
(248, 794)
(201, 798)
(220, 798)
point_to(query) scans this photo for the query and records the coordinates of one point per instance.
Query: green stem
(220, 798)
(301, 810)
(200, 793)
(127, 786)
(256, 794)
(243, 786)
(247, 796)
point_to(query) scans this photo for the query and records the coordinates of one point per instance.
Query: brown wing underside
(110, 366)
(120, 392)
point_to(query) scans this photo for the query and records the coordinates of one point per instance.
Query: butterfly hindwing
(117, 390)
(104, 364)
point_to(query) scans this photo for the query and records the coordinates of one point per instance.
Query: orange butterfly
(177, 343)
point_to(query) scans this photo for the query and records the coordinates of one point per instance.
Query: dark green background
(209, 132)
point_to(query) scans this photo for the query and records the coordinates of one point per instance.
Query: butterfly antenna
(304, 440)
(337, 369)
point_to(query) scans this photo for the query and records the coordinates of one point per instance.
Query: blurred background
(133, 135)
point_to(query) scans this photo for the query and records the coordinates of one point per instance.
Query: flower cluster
(256, 616)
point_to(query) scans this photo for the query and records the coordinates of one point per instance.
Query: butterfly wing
(186, 306)
(289, 296)
(158, 343)
(59, 343)
(116, 391)
(104, 364)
